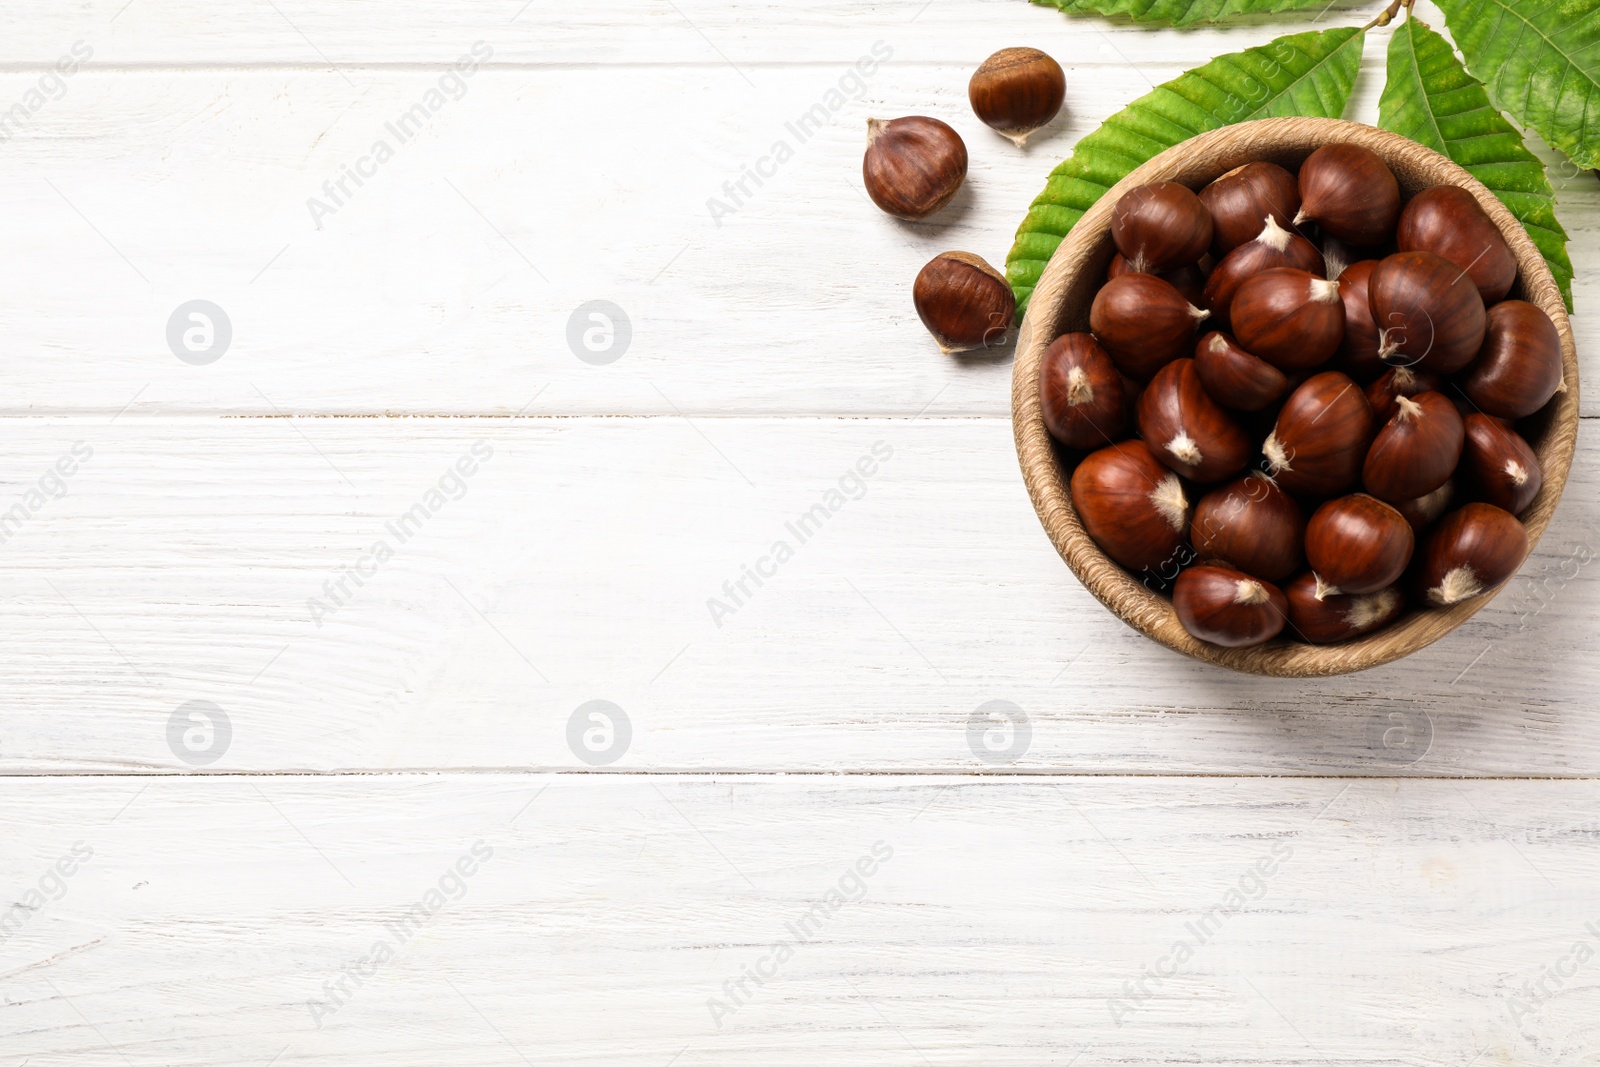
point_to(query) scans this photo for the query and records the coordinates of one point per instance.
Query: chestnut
(1416, 451)
(1161, 226)
(1186, 429)
(1189, 280)
(1519, 366)
(1234, 378)
(1016, 91)
(1350, 193)
(1338, 616)
(1448, 221)
(1250, 524)
(1241, 200)
(1228, 607)
(1273, 246)
(914, 166)
(1358, 352)
(1425, 510)
(1321, 436)
(1470, 552)
(1428, 312)
(1397, 382)
(1500, 466)
(1132, 506)
(1143, 322)
(1080, 393)
(1290, 318)
(964, 302)
(1357, 544)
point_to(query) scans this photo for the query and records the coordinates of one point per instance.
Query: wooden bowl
(1061, 304)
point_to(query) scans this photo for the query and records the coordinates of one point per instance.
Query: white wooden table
(379, 842)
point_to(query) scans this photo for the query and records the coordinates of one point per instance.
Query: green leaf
(1540, 60)
(1180, 12)
(1430, 98)
(1302, 74)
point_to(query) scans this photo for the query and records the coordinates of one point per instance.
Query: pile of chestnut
(1297, 406)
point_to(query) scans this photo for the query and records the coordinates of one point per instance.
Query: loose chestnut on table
(914, 166)
(1414, 328)
(964, 303)
(1016, 91)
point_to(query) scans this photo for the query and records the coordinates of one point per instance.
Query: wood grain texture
(182, 563)
(769, 355)
(1374, 923)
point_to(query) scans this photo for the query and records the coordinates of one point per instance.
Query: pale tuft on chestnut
(1338, 617)
(1414, 452)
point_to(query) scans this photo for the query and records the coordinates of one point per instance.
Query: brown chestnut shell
(1251, 525)
(1143, 322)
(1427, 310)
(1228, 607)
(1290, 318)
(1161, 226)
(1016, 91)
(1338, 616)
(1243, 199)
(1416, 451)
(1470, 552)
(1080, 393)
(1187, 430)
(1425, 510)
(914, 165)
(1350, 192)
(1519, 367)
(1357, 544)
(1189, 280)
(1500, 467)
(1235, 378)
(965, 303)
(1394, 383)
(1358, 352)
(1272, 247)
(1320, 439)
(1134, 508)
(1448, 221)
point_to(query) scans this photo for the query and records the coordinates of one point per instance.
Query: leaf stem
(1387, 14)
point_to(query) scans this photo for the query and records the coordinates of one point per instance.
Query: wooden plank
(1000, 921)
(738, 39)
(200, 559)
(449, 280)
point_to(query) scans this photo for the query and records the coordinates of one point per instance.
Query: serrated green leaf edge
(1180, 13)
(1540, 62)
(1430, 98)
(1301, 74)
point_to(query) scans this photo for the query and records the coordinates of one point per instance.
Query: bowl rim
(1088, 247)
